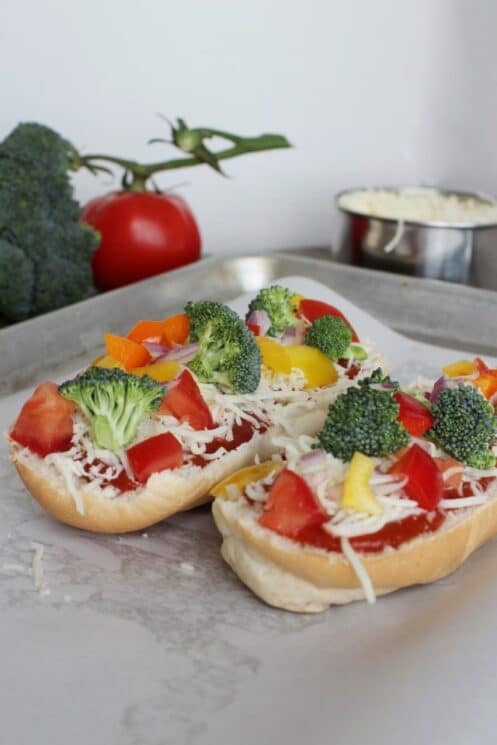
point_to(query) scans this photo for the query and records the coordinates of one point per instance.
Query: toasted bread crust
(326, 578)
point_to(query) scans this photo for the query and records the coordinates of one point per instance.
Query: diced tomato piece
(312, 309)
(414, 416)
(254, 328)
(159, 453)
(424, 479)
(291, 506)
(184, 401)
(45, 423)
(450, 464)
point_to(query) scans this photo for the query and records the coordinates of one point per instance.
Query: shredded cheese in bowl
(421, 205)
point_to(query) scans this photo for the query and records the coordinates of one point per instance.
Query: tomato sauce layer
(392, 535)
(467, 488)
(242, 433)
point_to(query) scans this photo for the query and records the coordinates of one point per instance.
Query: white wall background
(391, 91)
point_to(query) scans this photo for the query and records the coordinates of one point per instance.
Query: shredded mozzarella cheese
(359, 570)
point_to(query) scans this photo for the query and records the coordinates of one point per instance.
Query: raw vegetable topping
(114, 403)
(465, 426)
(364, 419)
(278, 304)
(228, 354)
(331, 335)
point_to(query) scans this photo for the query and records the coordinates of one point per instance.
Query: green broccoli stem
(140, 173)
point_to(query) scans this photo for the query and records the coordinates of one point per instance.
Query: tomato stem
(189, 141)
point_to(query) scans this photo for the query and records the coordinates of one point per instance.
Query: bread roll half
(308, 580)
(164, 494)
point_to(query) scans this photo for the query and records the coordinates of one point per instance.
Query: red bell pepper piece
(184, 401)
(291, 506)
(45, 423)
(414, 416)
(155, 454)
(312, 309)
(424, 480)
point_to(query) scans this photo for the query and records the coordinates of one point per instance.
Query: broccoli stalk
(364, 419)
(114, 402)
(228, 355)
(465, 426)
(330, 335)
(45, 252)
(278, 302)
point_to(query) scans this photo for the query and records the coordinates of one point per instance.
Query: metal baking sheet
(149, 639)
(440, 312)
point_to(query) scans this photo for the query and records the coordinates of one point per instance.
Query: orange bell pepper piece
(175, 330)
(487, 383)
(128, 352)
(459, 369)
(146, 330)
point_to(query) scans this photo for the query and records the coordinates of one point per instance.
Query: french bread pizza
(398, 488)
(179, 404)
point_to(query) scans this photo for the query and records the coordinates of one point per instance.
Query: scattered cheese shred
(359, 570)
(37, 567)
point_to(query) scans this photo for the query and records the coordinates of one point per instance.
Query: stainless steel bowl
(457, 252)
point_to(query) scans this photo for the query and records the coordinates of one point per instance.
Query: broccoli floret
(115, 402)
(465, 426)
(363, 419)
(278, 303)
(330, 335)
(52, 267)
(378, 377)
(228, 354)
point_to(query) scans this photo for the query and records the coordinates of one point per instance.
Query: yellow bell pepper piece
(162, 372)
(317, 368)
(108, 362)
(296, 300)
(274, 355)
(459, 368)
(357, 494)
(242, 478)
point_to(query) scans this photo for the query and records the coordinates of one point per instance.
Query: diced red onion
(260, 318)
(442, 384)
(294, 334)
(155, 349)
(180, 353)
(388, 387)
(312, 459)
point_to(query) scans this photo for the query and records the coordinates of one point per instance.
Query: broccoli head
(37, 211)
(278, 303)
(228, 355)
(114, 402)
(465, 426)
(363, 419)
(16, 281)
(330, 335)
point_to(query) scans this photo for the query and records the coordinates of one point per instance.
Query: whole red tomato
(142, 234)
